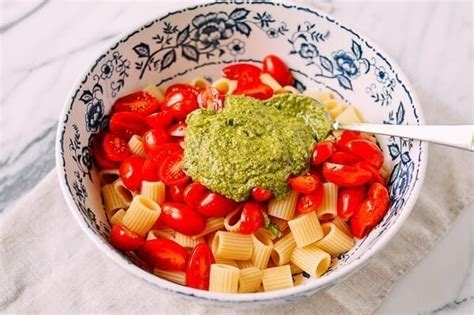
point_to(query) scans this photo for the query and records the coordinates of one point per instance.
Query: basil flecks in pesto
(253, 144)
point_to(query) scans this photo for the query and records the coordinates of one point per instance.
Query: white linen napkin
(49, 265)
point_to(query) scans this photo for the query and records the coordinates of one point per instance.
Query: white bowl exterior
(323, 54)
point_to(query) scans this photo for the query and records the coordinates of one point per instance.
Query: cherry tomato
(180, 104)
(131, 172)
(216, 205)
(151, 167)
(261, 194)
(322, 152)
(349, 201)
(100, 157)
(210, 98)
(366, 150)
(371, 211)
(180, 87)
(345, 175)
(115, 148)
(310, 202)
(252, 217)
(182, 218)
(176, 192)
(139, 102)
(164, 254)
(346, 137)
(259, 91)
(235, 71)
(125, 125)
(158, 120)
(305, 184)
(124, 239)
(376, 176)
(171, 172)
(177, 130)
(153, 138)
(345, 158)
(194, 193)
(275, 67)
(198, 268)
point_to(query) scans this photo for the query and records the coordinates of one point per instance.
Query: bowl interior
(199, 41)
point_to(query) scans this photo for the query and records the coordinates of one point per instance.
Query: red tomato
(161, 119)
(100, 157)
(182, 218)
(252, 217)
(139, 102)
(216, 205)
(310, 202)
(261, 194)
(198, 268)
(305, 184)
(176, 192)
(177, 130)
(131, 172)
(115, 148)
(366, 150)
(371, 211)
(125, 125)
(194, 193)
(376, 176)
(180, 87)
(349, 201)
(235, 71)
(345, 175)
(346, 137)
(259, 91)
(164, 254)
(154, 138)
(151, 167)
(322, 152)
(124, 239)
(171, 172)
(275, 67)
(210, 98)
(345, 158)
(180, 104)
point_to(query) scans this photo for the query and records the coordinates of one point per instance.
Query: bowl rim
(321, 283)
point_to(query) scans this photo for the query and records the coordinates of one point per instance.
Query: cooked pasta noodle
(262, 249)
(298, 279)
(135, 144)
(154, 190)
(187, 241)
(277, 278)
(224, 278)
(250, 280)
(117, 218)
(232, 245)
(311, 259)
(141, 215)
(288, 89)
(244, 263)
(163, 232)
(200, 82)
(212, 225)
(178, 277)
(349, 115)
(283, 208)
(270, 81)
(233, 220)
(342, 225)
(295, 269)
(335, 242)
(225, 86)
(306, 229)
(334, 107)
(327, 209)
(225, 261)
(282, 224)
(112, 200)
(283, 249)
(155, 91)
(107, 177)
(123, 191)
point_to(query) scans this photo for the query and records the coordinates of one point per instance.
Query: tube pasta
(212, 225)
(117, 218)
(135, 144)
(283, 208)
(271, 82)
(123, 191)
(327, 210)
(349, 115)
(233, 220)
(311, 259)
(224, 261)
(232, 245)
(244, 263)
(155, 91)
(224, 278)
(283, 249)
(107, 177)
(262, 249)
(282, 224)
(298, 279)
(187, 241)
(141, 215)
(225, 86)
(295, 269)
(178, 277)
(250, 280)
(154, 190)
(200, 82)
(166, 233)
(342, 225)
(334, 107)
(112, 200)
(335, 242)
(306, 229)
(277, 278)
(288, 89)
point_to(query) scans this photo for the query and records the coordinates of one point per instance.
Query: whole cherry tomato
(177, 130)
(210, 98)
(261, 194)
(252, 217)
(366, 150)
(163, 254)
(176, 192)
(115, 148)
(125, 125)
(140, 102)
(131, 172)
(182, 218)
(305, 184)
(154, 138)
(171, 172)
(99, 155)
(274, 66)
(345, 175)
(349, 200)
(216, 205)
(198, 268)
(345, 158)
(371, 211)
(235, 71)
(181, 87)
(322, 152)
(310, 202)
(180, 104)
(194, 194)
(158, 120)
(124, 239)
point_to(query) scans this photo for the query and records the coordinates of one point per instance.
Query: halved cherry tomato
(349, 201)
(124, 239)
(376, 176)
(310, 202)
(210, 98)
(345, 158)
(139, 102)
(252, 217)
(151, 167)
(176, 192)
(259, 91)
(180, 104)
(274, 66)
(371, 211)
(216, 205)
(182, 218)
(177, 130)
(261, 194)
(322, 152)
(235, 71)
(198, 268)
(125, 125)
(346, 137)
(305, 184)
(194, 193)
(161, 119)
(171, 171)
(100, 157)
(115, 148)
(180, 87)
(345, 175)
(366, 150)
(163, 254)
(154, 138)
(131, 172)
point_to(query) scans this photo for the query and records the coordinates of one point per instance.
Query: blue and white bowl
(322, 53)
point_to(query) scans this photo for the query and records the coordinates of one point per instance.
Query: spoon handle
(456, 136)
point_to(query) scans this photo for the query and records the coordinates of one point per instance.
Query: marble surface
(45, 46)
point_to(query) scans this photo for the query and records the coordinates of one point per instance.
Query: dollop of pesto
(252, 143)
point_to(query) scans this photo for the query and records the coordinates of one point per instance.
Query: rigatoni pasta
(187, 241)
(141, 215)
(155, 91)
(135, 144)
(342, 225)
(283, 208)
(262, 249)
(250, 280)
(112, 200)
(232, 245)
(178, 277)
(283, 249)
(335, 242)
(311, 259)
(224, 279)
(154, 190)
(117, 218)
(225, 86)
(212, 225)
(244, 263)
(306, 229)
(107, 177)
(327, 210)
(277, 278)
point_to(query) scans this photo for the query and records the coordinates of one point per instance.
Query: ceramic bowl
(322, 53)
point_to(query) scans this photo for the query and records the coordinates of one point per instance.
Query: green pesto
(251, 144)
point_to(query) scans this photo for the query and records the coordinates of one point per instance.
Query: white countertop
(45, 46)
